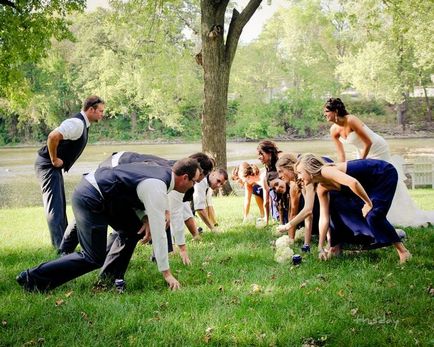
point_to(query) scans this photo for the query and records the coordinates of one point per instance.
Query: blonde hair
(287, 161)
(312, 163)
(245, 169)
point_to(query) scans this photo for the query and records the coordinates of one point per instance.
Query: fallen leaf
(208, 334)
(60, 302)
(4, 323)
(354, 311)
(164, 305)
(303, 285)
(69, 294)
(85, 317)
(321, 277)
(235, 301)
(341, 293)
(256, 288)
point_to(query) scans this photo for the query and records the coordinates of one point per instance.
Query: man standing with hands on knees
(64, 145)
(136, 186)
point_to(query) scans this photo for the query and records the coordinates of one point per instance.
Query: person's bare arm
(334, 174)
(309, 198)
(248, 190)
(53, 140)
(204, 216)
(335, 135)
(324, 219)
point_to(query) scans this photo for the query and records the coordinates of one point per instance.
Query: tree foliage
(139, 56)
(27, 28)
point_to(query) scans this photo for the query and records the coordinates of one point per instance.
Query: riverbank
(322, 137)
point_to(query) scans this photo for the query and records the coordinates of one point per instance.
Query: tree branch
(238, 21)
(221, 10)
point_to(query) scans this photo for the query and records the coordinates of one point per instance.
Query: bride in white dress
(348, 129)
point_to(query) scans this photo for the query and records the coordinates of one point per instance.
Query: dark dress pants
(53, 197)
(70, 239)
(92, 225)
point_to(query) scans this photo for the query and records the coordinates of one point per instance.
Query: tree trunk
(401, 111)
(216, 82)
(427, 105)
(216, 59)
(133, 122)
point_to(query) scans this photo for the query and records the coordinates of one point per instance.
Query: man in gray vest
(121, 245)
(64, 145)
(134, 186)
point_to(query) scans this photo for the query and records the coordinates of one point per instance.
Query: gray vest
(69, 150)
(121, 182)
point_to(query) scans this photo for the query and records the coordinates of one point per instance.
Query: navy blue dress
(258, 190)
(347, 224)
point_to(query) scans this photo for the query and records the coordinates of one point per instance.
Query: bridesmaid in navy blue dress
(355, 197)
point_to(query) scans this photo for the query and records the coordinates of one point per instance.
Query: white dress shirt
(200, 194)
(176, 208)
(153, 193)
(72, 128)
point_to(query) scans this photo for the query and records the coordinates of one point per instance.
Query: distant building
(419, 93)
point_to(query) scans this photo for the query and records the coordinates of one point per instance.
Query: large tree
(216, 58)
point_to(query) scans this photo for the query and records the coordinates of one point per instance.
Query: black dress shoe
(24, 280)
(120, 286)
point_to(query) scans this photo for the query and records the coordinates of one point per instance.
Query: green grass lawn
(360, 299)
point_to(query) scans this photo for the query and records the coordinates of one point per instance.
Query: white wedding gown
(403, 211)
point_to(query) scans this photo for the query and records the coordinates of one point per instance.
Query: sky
(252, 29)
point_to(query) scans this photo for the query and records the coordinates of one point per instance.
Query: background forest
(141, 58)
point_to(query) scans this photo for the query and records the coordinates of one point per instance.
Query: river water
(19, 186)
(18, 161)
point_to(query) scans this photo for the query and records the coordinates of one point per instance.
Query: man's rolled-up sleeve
(153, 193)
(199, 196)
(176, 208)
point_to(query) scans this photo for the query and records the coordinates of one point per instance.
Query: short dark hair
(205, 161)
(92, 101)
(187, 166)
(222, 172)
